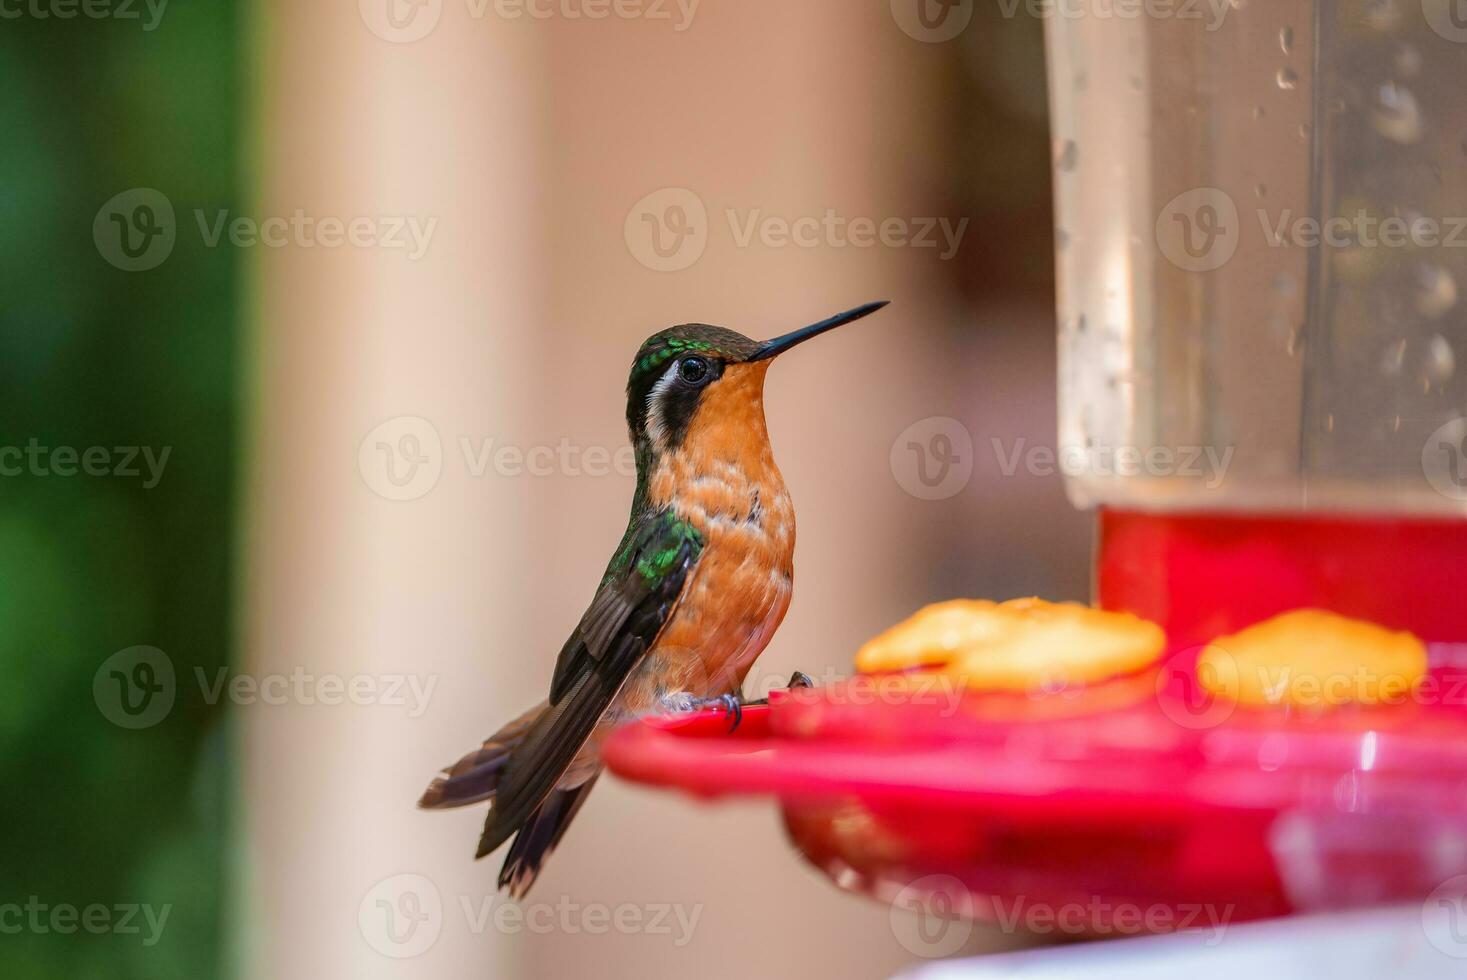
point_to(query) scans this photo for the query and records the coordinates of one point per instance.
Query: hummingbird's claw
(733, 704)
(733, 707)
(683, 702)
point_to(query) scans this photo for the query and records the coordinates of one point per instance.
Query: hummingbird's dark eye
(693, 370)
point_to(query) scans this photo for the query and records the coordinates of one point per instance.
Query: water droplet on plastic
(1287, 78)
(1258, 112)
(1396, 115)
(1305, 131)
(1068, 157)
(1408, 61)
(1382, 15)
(1440, 362)
(1061, 239)
(1393, 358)
(1279, 326)
(1429, 362)
(1436, 290)
(1286, 39)
(1260, 190)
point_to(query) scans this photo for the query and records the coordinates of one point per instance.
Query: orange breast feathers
(723, 480)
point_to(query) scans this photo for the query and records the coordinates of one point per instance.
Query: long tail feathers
(539, 836)
(476, 777)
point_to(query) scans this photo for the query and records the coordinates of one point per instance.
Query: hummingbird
(692, 595)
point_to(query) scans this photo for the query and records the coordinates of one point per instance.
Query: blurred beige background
(530, 141)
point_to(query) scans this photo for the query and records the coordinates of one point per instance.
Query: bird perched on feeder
(692, 595)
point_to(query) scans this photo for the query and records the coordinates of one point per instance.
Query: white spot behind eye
(656, 420)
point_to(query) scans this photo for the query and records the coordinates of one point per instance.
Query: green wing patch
(640, 590)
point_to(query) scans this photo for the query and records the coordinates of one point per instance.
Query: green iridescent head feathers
(686, 338)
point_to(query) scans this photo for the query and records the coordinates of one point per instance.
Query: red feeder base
(1070, 801)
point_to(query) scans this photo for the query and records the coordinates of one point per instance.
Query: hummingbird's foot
(733, 709)
(683, 702)
(732, 704)
(679, 703)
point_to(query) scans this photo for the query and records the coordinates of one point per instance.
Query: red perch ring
(1140, 792)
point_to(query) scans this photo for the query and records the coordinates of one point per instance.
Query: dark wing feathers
(633, 576)
(614, 602)
(646, 577)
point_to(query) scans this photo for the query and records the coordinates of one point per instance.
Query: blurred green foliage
(91, 355)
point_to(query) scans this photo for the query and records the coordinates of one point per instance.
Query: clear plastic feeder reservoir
(1261, 213)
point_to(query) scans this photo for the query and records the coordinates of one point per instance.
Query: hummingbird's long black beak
(781, 344)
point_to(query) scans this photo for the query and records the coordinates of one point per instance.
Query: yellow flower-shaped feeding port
(1022, 646)
(1311, 658)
